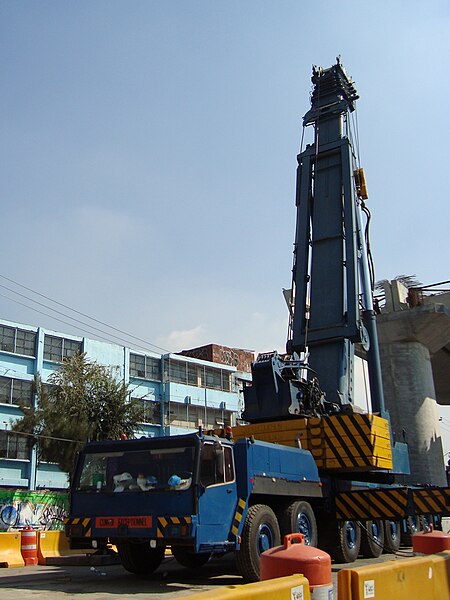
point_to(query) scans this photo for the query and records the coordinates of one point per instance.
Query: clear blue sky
(149, 149)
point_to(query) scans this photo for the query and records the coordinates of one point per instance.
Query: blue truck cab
(191, 492)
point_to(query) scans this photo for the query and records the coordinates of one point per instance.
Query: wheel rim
(376, 530)
(265, 537)
(393, 530)
(304, 527)
(350, 534)
(426, 523)
(414, 524)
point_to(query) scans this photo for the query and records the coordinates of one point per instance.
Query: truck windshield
(136, 471)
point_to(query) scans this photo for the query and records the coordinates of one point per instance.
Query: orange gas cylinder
(296, 557)
(28, 546)
(430, 542)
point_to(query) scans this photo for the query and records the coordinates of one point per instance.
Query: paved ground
(112, 581)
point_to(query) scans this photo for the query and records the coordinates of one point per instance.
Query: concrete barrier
(294, 587)
(53, 544)
(10, 555)
(422, 577)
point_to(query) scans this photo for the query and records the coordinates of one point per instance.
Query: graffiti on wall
(43, 510)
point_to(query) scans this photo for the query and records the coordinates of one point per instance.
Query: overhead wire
(147, 344)
(41, 312)
(40, 435)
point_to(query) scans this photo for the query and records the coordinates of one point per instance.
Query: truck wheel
(138, 557)
(372, 538)
(392, 535)
(260, 533)
(299, 517)
(190, 560)
(412, 527)
(348, 542)
(426, 522)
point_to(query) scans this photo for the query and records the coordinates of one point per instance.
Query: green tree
(81, 400)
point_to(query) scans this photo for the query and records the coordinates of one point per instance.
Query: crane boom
(332, 307)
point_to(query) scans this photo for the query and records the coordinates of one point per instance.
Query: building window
(18, 341)
(226, 380)
(145, 367)
(213, 379)
(13, 445)
(199, 375)
(178, 371)
(194, 375)
(195, 415)
(16, 391)
(152, 412)
(56, 348)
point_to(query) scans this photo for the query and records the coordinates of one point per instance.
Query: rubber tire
(372, 544)
(437, 522)
(289, 517)
(138, 557)
(247, 558)
(346, 551)
(412, 527)
(190, 560)
(425, 522)
(392, 537)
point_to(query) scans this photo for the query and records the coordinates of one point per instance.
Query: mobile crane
(307, 461)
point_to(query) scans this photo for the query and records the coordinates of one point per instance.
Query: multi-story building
(179, 392)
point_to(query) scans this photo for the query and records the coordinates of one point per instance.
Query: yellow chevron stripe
(381, 509)
(358, 508)
(238, 516)
(425, 508)
(371, 504)
(429, 500)
(163, 522)
(355, 432)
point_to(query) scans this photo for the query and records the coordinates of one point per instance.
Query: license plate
(130, 522)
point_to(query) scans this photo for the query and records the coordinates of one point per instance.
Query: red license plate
(115, 522)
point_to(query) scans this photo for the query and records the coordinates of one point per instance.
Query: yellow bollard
(421, 577)
(293, 587)
(10, 555)
(53, 544)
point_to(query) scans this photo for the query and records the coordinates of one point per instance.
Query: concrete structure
(179, 393)
(414, 344)
(241, 359)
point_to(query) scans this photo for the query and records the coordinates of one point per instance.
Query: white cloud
(184, 339)
(105, 222)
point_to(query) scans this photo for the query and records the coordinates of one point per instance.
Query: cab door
(218, 496)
